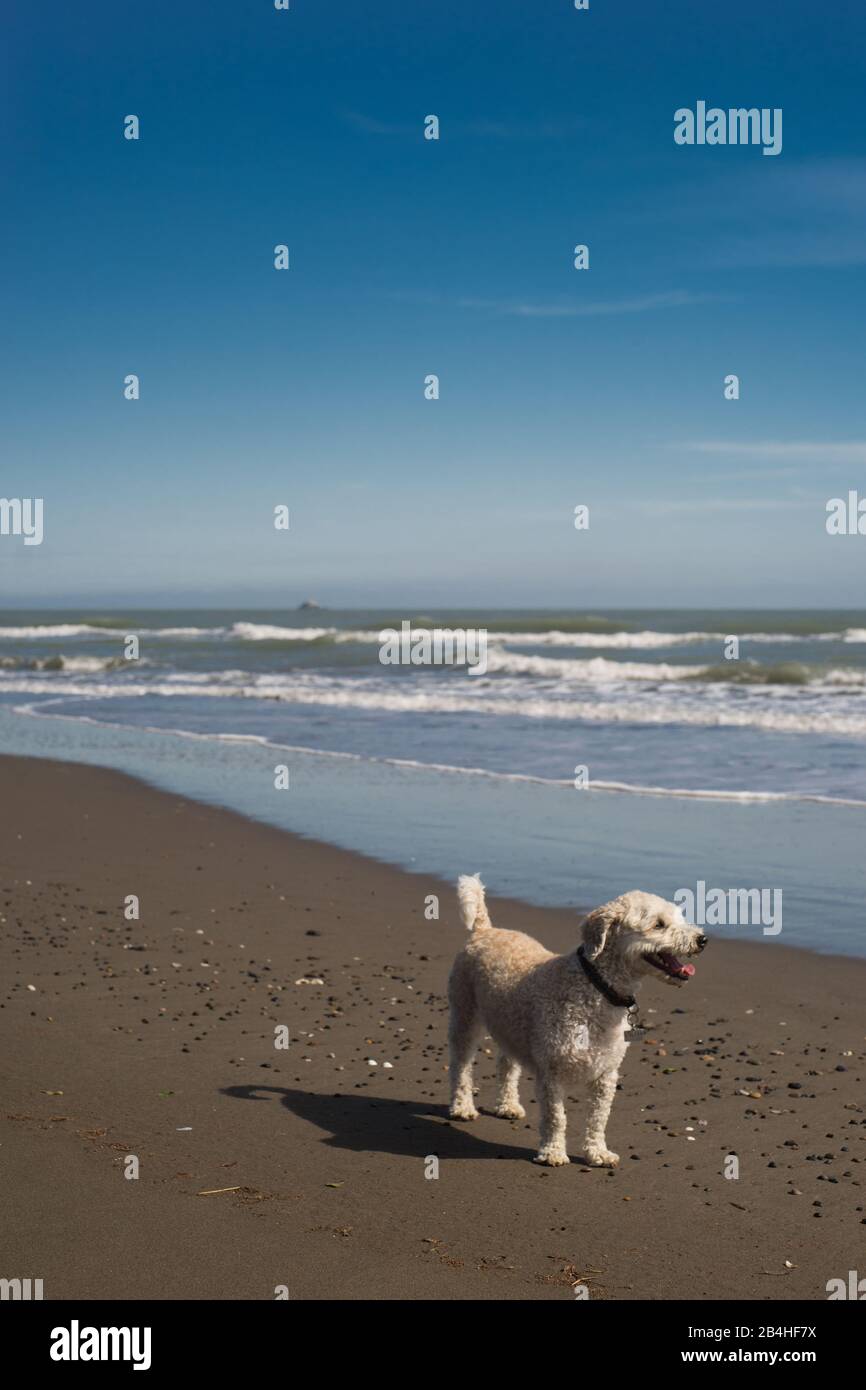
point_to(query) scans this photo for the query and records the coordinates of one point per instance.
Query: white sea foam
(592, 671)
(69, 665)
(597, 669)
(51, 631)
(269, 632)
(650, 639)
(178, 631)
(30, 634)
(603, 671)
(778, 709)
(611, 640)
(37, 710)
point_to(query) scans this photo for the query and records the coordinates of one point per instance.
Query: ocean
(600, 751)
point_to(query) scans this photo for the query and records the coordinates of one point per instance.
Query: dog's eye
(660, 923)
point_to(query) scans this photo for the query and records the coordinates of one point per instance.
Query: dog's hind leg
(463, 1040)
(508, 1100)
(464, 1031)
(552, 1105)
(601, 1095)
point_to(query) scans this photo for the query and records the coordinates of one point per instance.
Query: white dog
(566, 1017)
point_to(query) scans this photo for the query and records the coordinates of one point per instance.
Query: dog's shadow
(371, 1124)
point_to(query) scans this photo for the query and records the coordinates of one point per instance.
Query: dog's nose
(702, 941)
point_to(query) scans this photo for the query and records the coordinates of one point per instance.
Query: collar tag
(635, 1028)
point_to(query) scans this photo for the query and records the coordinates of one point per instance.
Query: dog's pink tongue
(688, 970)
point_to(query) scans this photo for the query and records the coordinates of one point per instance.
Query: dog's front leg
(552, 1122)
(601, 1094)
(508, 1101)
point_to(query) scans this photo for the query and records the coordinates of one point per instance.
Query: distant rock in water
(309, 603)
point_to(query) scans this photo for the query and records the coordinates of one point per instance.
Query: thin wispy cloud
(641, 304)
(809, 451)
(373, 126)
(610, 511)
(703, 505)
(793, 251)
(809, 213)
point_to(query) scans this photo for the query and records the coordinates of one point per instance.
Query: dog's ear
(595, 930)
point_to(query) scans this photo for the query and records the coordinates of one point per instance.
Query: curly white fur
(470, 895)
(544, 1013)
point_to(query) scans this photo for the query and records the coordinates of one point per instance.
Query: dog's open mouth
(669, 965)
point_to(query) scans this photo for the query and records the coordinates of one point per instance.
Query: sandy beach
(305, 1167)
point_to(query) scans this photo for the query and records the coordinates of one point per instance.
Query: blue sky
(411, 257)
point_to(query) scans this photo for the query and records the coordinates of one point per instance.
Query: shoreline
(447, 887)
(537, 843)
(139, 1038)
(714, 796)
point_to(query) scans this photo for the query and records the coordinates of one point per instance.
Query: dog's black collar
(622, 1001)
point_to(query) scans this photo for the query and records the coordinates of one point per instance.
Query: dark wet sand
(156, 1039)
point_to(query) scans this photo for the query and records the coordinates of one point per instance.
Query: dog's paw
(463, 1112)
(553, 1158)
(511, 1112)
(601, 1158)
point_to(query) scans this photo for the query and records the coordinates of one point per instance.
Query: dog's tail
(470, 895)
